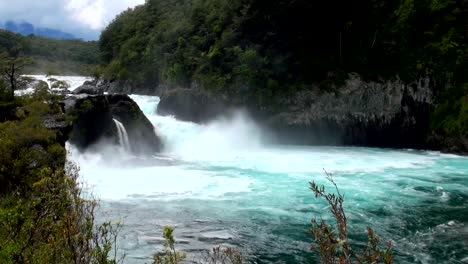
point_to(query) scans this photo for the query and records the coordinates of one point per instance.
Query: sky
(82, 18)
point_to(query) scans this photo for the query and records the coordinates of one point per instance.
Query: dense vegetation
(296, 43)
(74, 57)
(259, 50)
(45, 217)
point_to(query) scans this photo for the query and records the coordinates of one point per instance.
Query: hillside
(66, 57)
(260, 53)
(27, 29)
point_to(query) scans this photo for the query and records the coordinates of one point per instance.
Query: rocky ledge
(191, 105)
(386, 114)
(99, 86)
(93, 120)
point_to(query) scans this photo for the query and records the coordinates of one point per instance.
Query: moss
(450, 117)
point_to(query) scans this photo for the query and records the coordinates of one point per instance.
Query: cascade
(219, 183)
(123, 136)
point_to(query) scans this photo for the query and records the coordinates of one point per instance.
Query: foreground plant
(45, 214)
(170, 254)
(217, 255)
(333, 245)
(223, 255)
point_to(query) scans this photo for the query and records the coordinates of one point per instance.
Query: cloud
(83, 18)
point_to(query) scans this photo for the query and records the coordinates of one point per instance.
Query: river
(222, 183)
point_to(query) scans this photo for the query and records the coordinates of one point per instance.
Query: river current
(222, 183)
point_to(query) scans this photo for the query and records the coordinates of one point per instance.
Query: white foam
(118, 179)
(73, 81)
(213, 160)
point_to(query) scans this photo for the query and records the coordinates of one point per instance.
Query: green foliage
(223, 255)
(218, 255)
(170, 255)
(44, 215)
(52, 56)
(333, 245)
(451, 115)
(256, 51)
(12, 65)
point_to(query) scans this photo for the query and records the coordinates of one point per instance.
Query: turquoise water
(222, 184)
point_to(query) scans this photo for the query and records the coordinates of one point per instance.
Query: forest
(253, 51)
(260, 50)
(53, 56)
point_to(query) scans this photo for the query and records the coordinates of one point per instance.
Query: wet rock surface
(191, 105)
(93, 121)
(389, 114)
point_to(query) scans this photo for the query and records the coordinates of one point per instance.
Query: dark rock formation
(99, 86)
(125, 87)
(93, 120)
(59, 123)
(387, 114)
(390, 114)
(192, 105)
(87, 88)
(448, 144)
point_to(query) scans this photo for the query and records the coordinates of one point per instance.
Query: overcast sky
(83, 18)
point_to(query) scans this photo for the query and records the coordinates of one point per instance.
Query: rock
(88, 89)
(93, 121)
(193, 105)
(140, 131)
(59, 123)
(448, 144)
(99, 86)
(389, 114)
(91, 82)
(126, 87)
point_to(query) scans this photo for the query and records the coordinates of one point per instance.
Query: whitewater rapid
(73, 82)
(220, 183)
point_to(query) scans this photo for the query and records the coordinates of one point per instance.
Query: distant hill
(58, 56)
(26, 29)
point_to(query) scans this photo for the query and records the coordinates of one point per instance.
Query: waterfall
(123, 136)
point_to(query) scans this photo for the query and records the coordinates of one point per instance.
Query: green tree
(12, 66)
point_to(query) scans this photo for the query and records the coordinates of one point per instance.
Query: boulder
(59, 123)
(88, 88)
(93, 121)
(193, 105)
(126, 87)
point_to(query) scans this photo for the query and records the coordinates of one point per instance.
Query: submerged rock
(93, 121)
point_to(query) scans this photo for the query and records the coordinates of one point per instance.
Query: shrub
(45, 217)
(218, 255)
(223, 255)
(170, 254)
(333, 245)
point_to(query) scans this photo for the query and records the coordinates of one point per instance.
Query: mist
(225, 136)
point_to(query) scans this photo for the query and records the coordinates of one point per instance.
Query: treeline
(276, 46)
(73, 57)
(258, 50)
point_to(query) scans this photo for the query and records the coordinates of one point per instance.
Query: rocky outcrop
(123, 87)
(88, 88)
(381, 114)
(59, 123)
(388, 114)
(93, 121)
(448, 144)
(193, 105)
